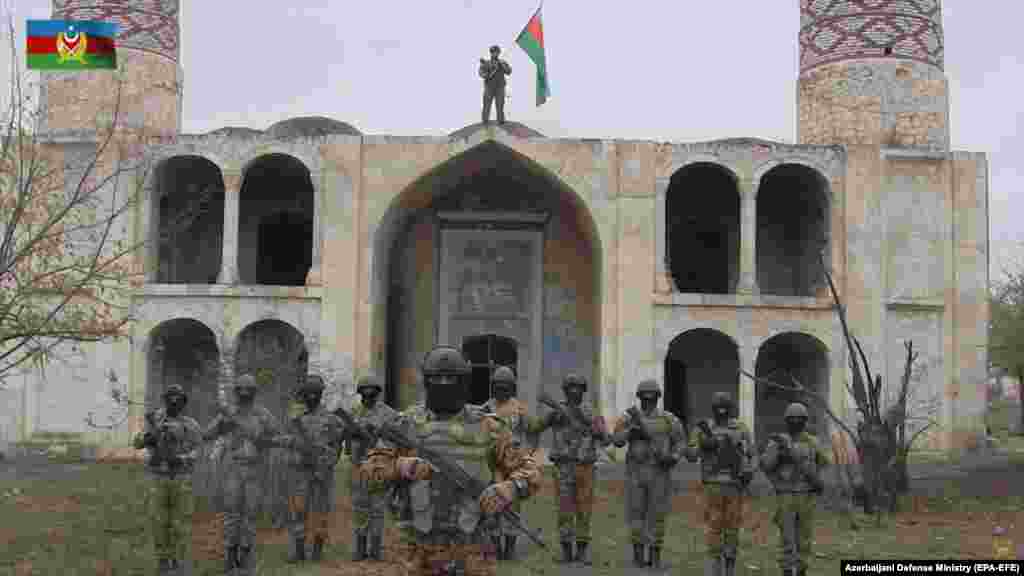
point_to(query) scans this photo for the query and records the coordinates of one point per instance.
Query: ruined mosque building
(347, 252)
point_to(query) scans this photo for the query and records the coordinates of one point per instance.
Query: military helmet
(649, 386)
(795, 410)
(445, 360)
(504, 374)
(174, 390)
(246, 381)
(721, 400)
(495, 49)
(369, 381)
(312, 383)
(574, 380)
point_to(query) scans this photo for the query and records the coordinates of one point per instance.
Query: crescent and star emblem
(71, 46)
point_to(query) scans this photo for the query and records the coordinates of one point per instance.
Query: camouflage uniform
(574, 452)
(250, 431)
(524, 428)
(315, 438)
(442, 530)
(169, 497)
(369, 507)
(727, 465)
(649, 462)
(794, 462)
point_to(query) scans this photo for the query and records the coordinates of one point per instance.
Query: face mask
(795, 426)
(574, 395)
(502, 393)
(446, 395)
(370, 398)
(312, 400)
(244, 396)
(175, 406)
(648, 403)
(721, 414)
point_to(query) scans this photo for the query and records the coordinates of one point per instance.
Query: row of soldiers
(455, 474)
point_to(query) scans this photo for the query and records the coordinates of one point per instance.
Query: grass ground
(93, 522)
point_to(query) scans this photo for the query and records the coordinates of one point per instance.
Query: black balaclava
(175, 404)
(446, 394)
(574, 394)
(245, 394)
(369, 394)
(721, 412)
(796, 425)
(502, 391)
(648, 402)
(311, 398)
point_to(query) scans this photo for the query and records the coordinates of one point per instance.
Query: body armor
(181, 436)
(378, 416)
(435, 508)
(573, 444)
(731, 459)
(248, 440)
(791, 472)
(648, 450)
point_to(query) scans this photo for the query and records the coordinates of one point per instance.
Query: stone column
(226, 378)
(150, 218)
(229, 243)
(747, 393)
(313, 277)
(748, 237)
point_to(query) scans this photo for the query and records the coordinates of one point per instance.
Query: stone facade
(572, 249)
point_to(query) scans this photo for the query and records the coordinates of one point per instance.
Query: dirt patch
(51, 504)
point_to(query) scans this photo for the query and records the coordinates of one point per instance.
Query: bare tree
(887, 426)
(1006, 329)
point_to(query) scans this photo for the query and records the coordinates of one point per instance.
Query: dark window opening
(676, 390)
(702, 212)
(285, 248)
(485, 353)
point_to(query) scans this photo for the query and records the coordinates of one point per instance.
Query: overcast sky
(652, 69)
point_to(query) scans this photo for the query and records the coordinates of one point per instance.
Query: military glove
(414, 469)
(496, 498)
(746, 476)
(149, 439)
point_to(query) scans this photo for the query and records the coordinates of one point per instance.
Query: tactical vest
(180, 442)
(437, 507)
(786, 476)
(644, 451)
(245, 444)
(512, 412)
(378, 416)
(724, 465)
(321, 428)
(571, 444)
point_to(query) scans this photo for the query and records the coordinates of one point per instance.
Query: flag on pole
(71, 45)
(531, 40)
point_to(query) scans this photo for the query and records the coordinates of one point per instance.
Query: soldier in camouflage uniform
(369, 507)
(794, 462)
(724, 446)
(656, 443)
(579, 433)
(443, 529)
(524, 428)
(315, 439)
(250, 431)
(173, 440)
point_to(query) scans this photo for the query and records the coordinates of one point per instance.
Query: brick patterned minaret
(871, 72)
(148, 56)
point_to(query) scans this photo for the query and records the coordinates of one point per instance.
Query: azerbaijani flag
(531, 40)
(71, 45)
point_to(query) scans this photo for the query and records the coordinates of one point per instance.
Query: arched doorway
(780, 358)
(699, 363)
(184, 351)
(793, 212)
(275, 353)
(275, 222)
(487, 244)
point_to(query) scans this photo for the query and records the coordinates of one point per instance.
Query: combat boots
(230, 559)
(318, 549)
(245, 561)
(638, 556)
(582, 553)
(510, 547)
(655, 557)
(567, 553)
(729, 567)
(298, 550)
(376, 546)
(713, 567)
(359, 548)
(499, 551)
(163, 566)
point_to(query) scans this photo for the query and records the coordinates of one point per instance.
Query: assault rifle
(729, 459)
(164, 449)
(574, 416)
(784, 446)
(355, 428)
(465, 482)
(312, 453)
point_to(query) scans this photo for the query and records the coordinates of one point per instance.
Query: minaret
(871, 72)
(148, 50)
